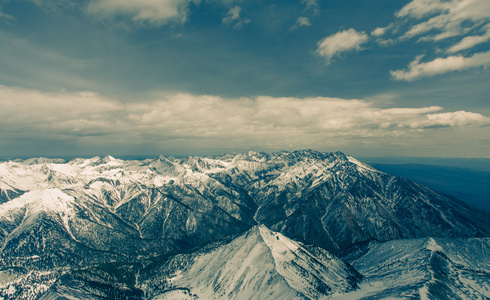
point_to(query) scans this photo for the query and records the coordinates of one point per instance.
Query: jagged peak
(257, 155)
(432, 245)
(108, 158)
(45, 169)
(96, 160)
(163, 165)
(264, 259)
(40, 160)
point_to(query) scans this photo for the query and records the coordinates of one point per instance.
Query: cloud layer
(265, 121)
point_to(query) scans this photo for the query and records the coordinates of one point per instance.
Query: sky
(205, 77)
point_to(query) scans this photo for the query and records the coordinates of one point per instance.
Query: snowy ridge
(262, 264)
(341, 200)
(429, 268)
(29, 206)
(293, 262)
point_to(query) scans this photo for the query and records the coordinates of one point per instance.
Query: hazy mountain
(469, 186)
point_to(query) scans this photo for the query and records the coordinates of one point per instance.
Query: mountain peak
(262, 264)
(108, 159)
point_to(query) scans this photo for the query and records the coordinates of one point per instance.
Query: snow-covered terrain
(66, 219)
(259, 264)
(426, 268)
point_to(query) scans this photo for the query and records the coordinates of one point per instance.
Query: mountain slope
(428, 268)
(262, 264)
(259, 264)
(333, 200)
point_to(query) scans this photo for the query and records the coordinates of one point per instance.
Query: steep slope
(333, 200)
(128, 208)
(428, 268)
(259, 264)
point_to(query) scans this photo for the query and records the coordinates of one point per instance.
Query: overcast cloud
(265, 121)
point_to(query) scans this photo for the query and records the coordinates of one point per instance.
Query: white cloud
(449, 26)
(310, 3)
(233, 16)
(302, 21)
(312, 9)
(421, 8)
(450, 18)
(343, 41)
(154, 12)
(379, 31)
(280, 122)
(417, 69)
(471, 41)
(455, 9)
(458, 118)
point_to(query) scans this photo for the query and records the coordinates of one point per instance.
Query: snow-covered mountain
(259, 264)
(426, 268)
(58, 216)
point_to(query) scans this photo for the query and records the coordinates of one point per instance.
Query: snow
(66, 169)
(174, 295)
(364, 289)
(432, 245)
(241, 268)
(40, 200)
(393, 268)
(361, 166)
(261, 264)
(480, 285)
(35, 202)
(423, 292)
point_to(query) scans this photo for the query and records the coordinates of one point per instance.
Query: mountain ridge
(135, 210)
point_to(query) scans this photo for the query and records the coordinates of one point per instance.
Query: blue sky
(121, 77)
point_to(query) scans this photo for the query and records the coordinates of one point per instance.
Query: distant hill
(466, 184)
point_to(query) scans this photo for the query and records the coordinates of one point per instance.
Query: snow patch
(432, 245)
(362, 166)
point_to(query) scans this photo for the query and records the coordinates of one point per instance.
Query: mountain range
(293, 225)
